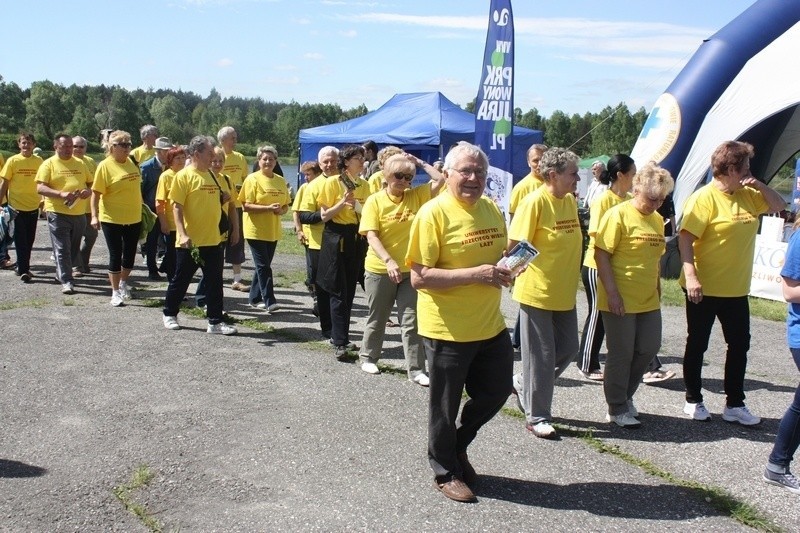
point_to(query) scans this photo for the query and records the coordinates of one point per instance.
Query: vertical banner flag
(494, 106)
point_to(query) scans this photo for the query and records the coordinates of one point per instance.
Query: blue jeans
(788, 438)
(262, 289)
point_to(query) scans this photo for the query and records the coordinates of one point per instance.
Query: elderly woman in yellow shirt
(117, 206)
(176, 160)
(627, 249)
(386, 222)
(264, 197)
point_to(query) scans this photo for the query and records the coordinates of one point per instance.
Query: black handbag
(224, 223)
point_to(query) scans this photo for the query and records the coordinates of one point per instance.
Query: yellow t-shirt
(298, 200)
(450, 234)
(259, 189)
(162, 195)
(376, 182)
(391, 218)
(636, 244)
(333, 190)
(308, 202)
(143, 153)
(600, 205)
(67, 176)
(120, 188)
(20, 172)
(236, 169)
(526, 185)
(202, 207)
(725, 226)
(551, 225)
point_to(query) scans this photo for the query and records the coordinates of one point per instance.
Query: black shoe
(155, 276)
(26, 277)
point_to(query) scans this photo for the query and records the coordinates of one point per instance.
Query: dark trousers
(734, 317)
(121, 240)
(484, 368)
(89, 238)
(168, 262)
(342, 304)
(323, 298)
(185, 267)
(150, 248)
(593, 330)
(262, 288)
(788, 438)
(24, 236)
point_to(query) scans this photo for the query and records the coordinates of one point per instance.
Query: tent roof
(406, 119)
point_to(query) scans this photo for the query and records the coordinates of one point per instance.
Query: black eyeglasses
(79, 146)
(123, 145)
(403, 176)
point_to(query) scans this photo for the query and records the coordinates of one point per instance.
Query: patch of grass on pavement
(290, 278)
(36, 303)
(140, 478)
(289, 243)
(717, 497)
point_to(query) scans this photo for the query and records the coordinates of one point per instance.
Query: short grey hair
(462, 149)
(79, 138)
(266, 149)
(224, 132)
(199, 144)
(325, 150)
(148, 129)
(556, 159)
(537, 147)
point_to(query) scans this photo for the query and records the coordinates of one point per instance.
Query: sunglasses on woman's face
(403, 176)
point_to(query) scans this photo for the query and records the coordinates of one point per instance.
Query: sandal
(657, 376)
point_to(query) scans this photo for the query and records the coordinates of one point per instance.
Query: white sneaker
(171, 322)
(260, 305)
(273, 308)
(124, 290)
(67, 288)
(422, 380)
(625, 420)
(116, 298)
(370, 368)
(740, 415)
(221, 329)
(632, 409)
(696, 411)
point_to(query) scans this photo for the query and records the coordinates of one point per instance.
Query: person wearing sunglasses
(386, 222)
(117, 208)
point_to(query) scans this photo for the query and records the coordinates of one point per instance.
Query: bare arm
(606, 274)
(298, 228)
(774, 200)
(791, 290)
(423, 277)
(180, 228)
(3, 190)
(392, 268)
(95, 208)
(329, 212)
(694, 290)
(234, 221)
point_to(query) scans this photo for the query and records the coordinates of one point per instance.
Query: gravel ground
(267, 431)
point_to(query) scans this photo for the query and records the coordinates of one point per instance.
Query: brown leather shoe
(455, 489)
(468, 473)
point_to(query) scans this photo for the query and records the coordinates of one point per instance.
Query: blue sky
(572, 55)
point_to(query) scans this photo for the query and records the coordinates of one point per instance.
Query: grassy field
(672, 294)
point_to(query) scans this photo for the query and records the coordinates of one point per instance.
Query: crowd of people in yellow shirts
(434, 251)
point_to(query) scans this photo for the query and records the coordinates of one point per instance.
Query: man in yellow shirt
(142, 153)
(236, 169)
(18, 182)
(65, 182)
(198, 198)
(455, 243)
(81, 262)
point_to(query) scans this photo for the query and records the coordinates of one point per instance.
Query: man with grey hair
(80, 263)
(149, 134)
(199, 202)
(596, 187)
(151, 172)
(456, 241)
(309, 213)
(236, 169)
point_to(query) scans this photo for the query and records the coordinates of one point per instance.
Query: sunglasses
(123, 145)
(403, 176)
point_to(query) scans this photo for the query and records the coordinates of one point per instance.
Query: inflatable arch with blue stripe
(741, 84)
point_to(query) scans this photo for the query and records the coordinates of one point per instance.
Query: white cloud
(348, 33)
(313, 55)
(224, 62)
(285, 67)
(303, 21)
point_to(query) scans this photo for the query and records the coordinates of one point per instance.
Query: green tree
(47, 111)
(12, 107)
(558, 130)
(172, 118)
